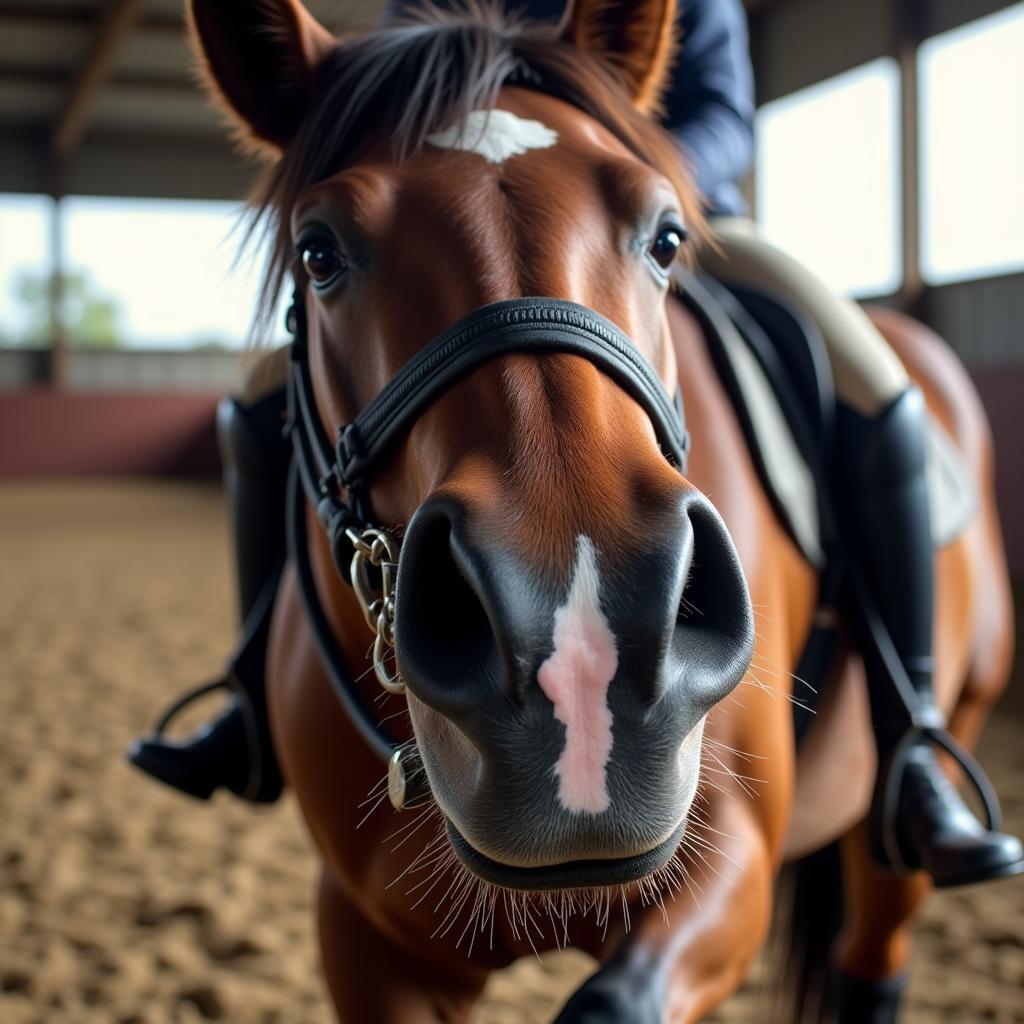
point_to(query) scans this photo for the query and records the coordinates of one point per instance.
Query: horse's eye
(322, 260)
(667, 244)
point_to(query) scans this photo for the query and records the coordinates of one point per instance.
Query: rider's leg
(881, 441)
(235, 750)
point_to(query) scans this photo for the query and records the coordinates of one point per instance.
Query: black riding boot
(918, 820)
(235, 750)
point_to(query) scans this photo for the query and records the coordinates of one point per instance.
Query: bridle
(335, 478)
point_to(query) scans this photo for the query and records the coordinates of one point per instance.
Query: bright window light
(828, 178)
(168, 265)
(139, 273)
(24, 231)
(972, 149)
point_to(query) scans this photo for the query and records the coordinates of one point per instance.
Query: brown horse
(573, 708)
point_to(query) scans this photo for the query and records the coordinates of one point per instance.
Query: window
(828, 178)
(138, 273)
(972, 149)
(167, 265)
(24, 234)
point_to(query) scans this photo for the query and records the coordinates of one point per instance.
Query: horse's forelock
(420, 75)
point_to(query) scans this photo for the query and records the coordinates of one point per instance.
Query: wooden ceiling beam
(117, 18)
(50, 77)
(81, 18)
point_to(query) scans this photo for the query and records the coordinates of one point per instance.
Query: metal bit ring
(376, 548)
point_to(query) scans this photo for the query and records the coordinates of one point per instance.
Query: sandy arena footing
(122, 903)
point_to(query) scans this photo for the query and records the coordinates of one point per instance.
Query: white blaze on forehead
(575, 679)
(495, 135)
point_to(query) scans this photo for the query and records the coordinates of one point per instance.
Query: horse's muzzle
(560, 721)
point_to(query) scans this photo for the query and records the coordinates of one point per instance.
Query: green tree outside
(91, 319)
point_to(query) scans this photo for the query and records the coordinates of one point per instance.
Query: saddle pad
(952, 495)
(953, 499)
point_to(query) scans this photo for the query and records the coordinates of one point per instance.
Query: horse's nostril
(714, 629)
(711, 592)
(444, 640)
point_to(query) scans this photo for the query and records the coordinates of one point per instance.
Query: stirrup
(930, 727)
(255, 775)
(187, 698)
(254, 761)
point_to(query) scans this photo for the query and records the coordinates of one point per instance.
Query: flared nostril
(715, 588)
(714, 630)
(445, 644)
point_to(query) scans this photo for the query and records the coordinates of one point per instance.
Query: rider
(918, 820)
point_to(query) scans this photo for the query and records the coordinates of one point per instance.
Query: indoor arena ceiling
(96, 97)
(101, 94)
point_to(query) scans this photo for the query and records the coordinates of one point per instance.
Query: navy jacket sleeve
(709, 106)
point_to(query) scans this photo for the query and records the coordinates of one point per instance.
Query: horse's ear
(259, 59)
(638, 37)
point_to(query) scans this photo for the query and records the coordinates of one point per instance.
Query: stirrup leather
(924, 721)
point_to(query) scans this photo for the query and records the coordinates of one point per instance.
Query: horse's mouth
(573, 874)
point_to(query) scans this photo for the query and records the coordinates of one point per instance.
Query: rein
(334, 477)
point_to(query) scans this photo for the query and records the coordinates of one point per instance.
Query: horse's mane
(425, 72)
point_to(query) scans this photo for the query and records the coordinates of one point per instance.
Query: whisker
(743, 781)
(780, 673)
(744, 755)
(411, 827)
(376, 804)
(375, 791)
(698, 843)
(750, 678)
(436, 875)
(711, 867)
(394, 715)
(420, 862)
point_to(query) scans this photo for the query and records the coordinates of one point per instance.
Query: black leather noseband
(335, 477)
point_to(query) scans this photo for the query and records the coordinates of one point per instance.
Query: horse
(594, 623)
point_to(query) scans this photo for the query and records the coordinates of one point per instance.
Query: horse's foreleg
(675, 967)
(374, 978)
(872, 954)
(873, 951)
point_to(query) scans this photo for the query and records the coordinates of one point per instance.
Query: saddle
(774, 367)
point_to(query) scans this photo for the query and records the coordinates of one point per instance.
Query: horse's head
(569, 607)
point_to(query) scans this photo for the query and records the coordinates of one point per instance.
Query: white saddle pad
(952, 496)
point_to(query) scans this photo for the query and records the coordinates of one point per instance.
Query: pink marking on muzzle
(575, 679)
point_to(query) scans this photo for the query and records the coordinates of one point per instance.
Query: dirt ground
(120, 902)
